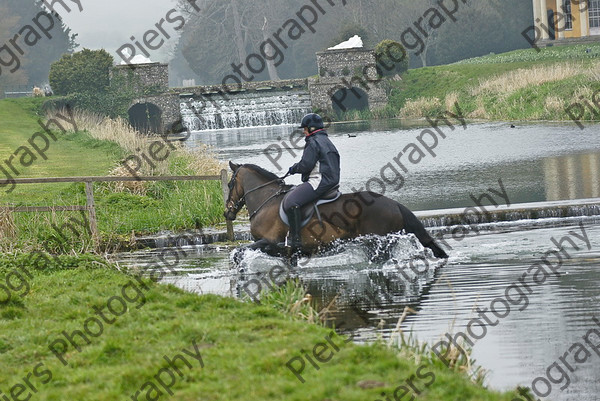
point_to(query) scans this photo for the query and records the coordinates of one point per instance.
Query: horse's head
(235, 200)
(247, 178)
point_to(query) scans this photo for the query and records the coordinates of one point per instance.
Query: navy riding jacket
(320, 163)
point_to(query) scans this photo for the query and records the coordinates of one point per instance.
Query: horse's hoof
(441, 255)
(295, 257)
(237, 256)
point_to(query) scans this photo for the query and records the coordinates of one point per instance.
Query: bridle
(236, 206)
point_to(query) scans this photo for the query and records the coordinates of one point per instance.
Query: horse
(350, 216)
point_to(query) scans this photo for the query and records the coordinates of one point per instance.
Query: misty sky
(109, 24)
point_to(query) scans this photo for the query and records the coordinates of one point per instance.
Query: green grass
(244, 347)
(18, 122)
(439, 81)
(554, 53)
(522, 104)
(165, 206)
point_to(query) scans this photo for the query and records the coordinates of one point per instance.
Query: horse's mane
(257, 169)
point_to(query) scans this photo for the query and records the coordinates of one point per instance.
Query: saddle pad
(308, 210)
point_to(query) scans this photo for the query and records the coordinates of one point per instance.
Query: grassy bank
(244, 347)
(97, 147)
(519, 85)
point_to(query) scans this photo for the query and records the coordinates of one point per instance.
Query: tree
(39, 53)
(494, 26)
(227, 31)
(391, 57)
(86, 71)
(222, 41)
(8, 24)
(413, 12)
(350, 29)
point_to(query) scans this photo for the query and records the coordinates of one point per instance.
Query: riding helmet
(312, 120)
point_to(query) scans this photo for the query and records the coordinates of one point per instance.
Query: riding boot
(294, 216)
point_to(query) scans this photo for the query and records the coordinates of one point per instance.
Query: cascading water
(531, 211)
(245, 109)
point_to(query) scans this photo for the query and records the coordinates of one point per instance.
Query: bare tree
(272, 68)
(424, 23)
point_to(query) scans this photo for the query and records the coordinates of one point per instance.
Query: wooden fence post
(91, 206)
(230, 235)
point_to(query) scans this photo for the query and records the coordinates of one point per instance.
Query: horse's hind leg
(414, 226)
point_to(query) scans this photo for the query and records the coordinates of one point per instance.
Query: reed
(292, 299)
(553, 105)
(451, 100)
(513, 81)
(199, 160)
(8, 229)
(422, 107)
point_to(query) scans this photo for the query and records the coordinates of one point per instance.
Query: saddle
(311, 208)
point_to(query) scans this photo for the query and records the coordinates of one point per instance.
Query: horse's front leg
(262, 244)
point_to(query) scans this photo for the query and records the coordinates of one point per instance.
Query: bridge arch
(349, 99)
(348, 80)
(145, 117)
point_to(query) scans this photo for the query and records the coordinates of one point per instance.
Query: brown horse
(351, 215)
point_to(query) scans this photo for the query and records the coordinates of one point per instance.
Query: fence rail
(16, 91)
(90, 206)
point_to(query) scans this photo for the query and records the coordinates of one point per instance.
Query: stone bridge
(347, 80)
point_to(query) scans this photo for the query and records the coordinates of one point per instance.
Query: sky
(101, 26)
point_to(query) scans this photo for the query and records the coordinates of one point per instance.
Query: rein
(276, 194)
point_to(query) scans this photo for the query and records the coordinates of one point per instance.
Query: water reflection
(572, 177)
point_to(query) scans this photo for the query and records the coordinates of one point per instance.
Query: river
(524, 343)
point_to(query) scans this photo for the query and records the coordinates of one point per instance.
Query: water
(533, 162)
(371, 296)
(253, 109)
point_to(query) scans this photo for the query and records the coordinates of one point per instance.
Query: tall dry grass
(200, 160)
(451, 100)
(107, 129)
(420, 107)
(553, 105)
(8, 228)
(514, 80)
(480, 111)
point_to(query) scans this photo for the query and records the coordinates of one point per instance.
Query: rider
(320, 169)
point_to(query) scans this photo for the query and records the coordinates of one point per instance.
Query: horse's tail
(413, 225)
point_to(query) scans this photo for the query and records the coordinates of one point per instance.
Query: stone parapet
(144, 76)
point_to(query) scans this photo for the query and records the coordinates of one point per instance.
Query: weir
(534, 214)
(246, 109)
(513, 213)
(347, 80)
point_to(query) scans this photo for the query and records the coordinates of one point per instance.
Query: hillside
(518, 85)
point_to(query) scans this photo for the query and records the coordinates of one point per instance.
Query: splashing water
(387, 252)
